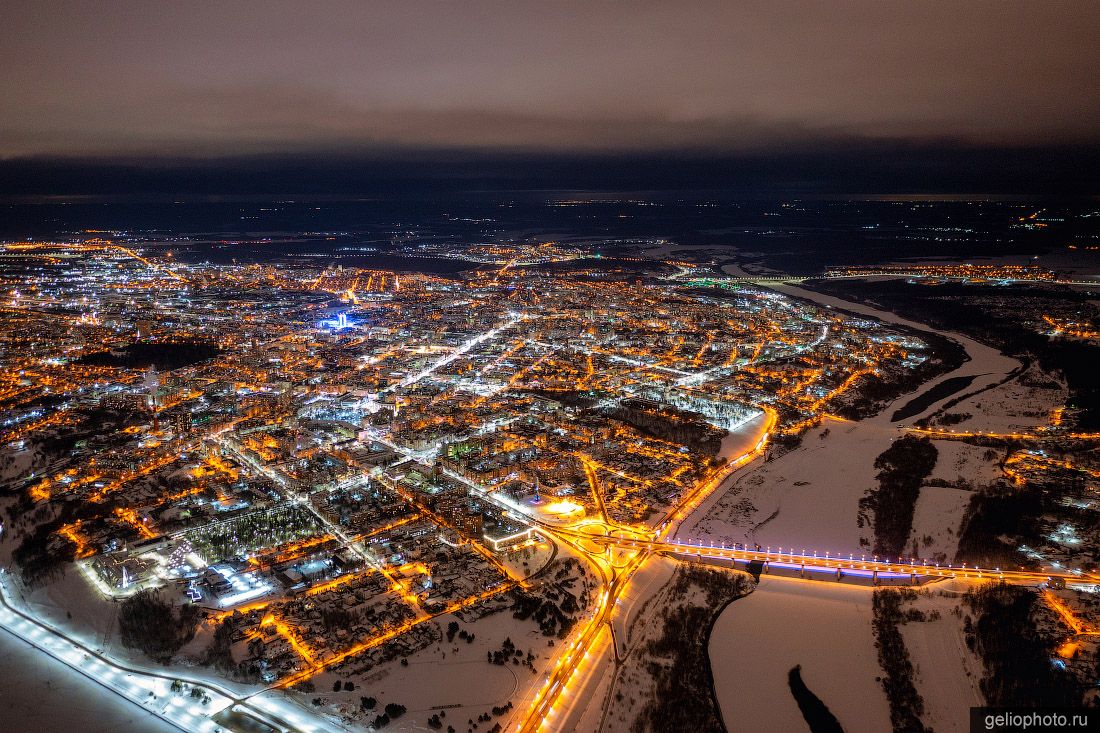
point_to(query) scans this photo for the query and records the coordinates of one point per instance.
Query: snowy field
(634, 608)
(1021, 404)
(947, 673)
(964, 465)
(742, 440)
(633, 684)
(936, 522)
(736, 444)
(452, 676)
(825, 628)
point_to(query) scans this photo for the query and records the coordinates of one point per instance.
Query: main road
(598, 539)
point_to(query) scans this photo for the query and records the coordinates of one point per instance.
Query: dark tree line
(999, 511)
(906, 704)
(1016, 656)
(683, 698)
(43, 555)
(902, 469)
(166, 355)
(393, 711)
(546, 613)
(670, 424)
(932, 395)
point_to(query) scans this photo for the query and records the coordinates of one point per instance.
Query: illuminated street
(549, 367)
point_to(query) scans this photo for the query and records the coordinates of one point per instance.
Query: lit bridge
(813, 566)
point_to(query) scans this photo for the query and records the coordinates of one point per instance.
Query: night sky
(866, 93)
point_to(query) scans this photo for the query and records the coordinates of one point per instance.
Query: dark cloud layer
(878, 167)
(216, 79)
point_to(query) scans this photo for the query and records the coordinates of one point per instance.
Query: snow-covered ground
(947, 673)
(589, 695)
(808, 498)
(586, 697)
(742, 440)
(14, 463)
(451, 676)
(936, 522)
(41, 694)
(634, 683)
(736, 444)
(964, 465)
(93, 616)
(826, 628)
(634, 607)
(1018, 405)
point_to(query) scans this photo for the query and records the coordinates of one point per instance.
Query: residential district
(304, 497)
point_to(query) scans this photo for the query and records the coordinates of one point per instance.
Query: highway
(599, 539)
(949, 434)
(632, 543)
(616, 551)
(148, 689)
(543, 707)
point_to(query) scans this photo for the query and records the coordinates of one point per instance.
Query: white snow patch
(938, 514)
(965, 465)
(947, 673)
